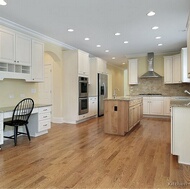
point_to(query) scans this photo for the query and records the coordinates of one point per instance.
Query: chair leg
(27, 131)
(15, 134)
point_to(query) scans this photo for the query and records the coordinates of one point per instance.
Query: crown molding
(20, 28)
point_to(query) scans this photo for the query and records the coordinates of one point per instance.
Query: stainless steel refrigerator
(102, 92)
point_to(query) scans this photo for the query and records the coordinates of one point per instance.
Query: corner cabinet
(37, 61)
(133, 71)
(16, 55)
(172, 69)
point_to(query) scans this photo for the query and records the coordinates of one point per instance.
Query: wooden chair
(21, 114)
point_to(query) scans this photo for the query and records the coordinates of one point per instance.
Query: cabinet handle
(45, 110)
(45, 125)
(44, 116)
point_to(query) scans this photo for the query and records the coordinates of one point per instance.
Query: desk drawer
(45, 109)
(45, 116)
(44, 125)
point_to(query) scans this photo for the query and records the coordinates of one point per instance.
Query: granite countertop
(180, 103)
(126, 98)
(11, 108)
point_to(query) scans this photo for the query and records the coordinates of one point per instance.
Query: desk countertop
(11, 108)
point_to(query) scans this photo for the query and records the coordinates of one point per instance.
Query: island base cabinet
(180, 132)
(120, 116)
(115, 117)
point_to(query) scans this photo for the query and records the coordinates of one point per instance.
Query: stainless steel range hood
(150, 73)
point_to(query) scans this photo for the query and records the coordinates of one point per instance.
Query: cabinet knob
(14, 60)
(17, 61)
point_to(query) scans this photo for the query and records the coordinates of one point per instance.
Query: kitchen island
(121, 114)
(180, 129)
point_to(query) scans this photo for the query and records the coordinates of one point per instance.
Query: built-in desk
(39, 121)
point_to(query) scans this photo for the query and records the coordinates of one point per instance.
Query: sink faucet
(186, 91)
(114, 92)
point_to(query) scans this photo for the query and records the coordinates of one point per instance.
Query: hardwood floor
(82, 156)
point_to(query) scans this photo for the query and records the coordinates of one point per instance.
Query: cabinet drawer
(1, 117)
(1, 137)
(44, 116)
(44, 125)
(45, 109)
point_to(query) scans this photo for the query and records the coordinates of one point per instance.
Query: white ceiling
(101, 19)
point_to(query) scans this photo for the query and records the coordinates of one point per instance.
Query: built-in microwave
(83, 105)
(83, 87)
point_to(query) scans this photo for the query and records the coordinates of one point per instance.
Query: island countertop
(126, 98)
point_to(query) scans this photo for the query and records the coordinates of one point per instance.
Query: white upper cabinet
(37, 61)
(83, 63)
(21, 56)
(23, 50)
(7, 46)
(172, 69)
(133, 71)
(184, 71)
(101, 66)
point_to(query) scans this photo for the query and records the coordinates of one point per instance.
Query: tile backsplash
(156, 85)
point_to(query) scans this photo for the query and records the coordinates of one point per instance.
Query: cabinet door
(23, 50)
(167, 106)
(177, 68)
(133, 71)
(37, 61)
(101, 66)
(146, 105)
(83, 63)
(7, 46)
(156, 107)
(168, 76)
(131, 118)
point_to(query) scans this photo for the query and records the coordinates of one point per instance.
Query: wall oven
(83, 87)
(83, 95)
(83, 105)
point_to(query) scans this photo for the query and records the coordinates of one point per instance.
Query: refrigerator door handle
(105, 92)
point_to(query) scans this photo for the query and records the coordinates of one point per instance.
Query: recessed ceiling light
(98, 45)
(70, 30)
(126, 42)
(117, 34)
(151, 13)
(155, 27)
(123, 63)
(2, 2)
(87, 39)
(113, 58)
(158, 37)
(107, 51)
(160, 44)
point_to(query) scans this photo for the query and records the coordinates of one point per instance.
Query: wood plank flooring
(82, 156)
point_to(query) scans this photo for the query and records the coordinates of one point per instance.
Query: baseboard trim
(57, 120)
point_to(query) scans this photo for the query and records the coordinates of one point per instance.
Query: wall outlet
(11, 96)
(33, 91)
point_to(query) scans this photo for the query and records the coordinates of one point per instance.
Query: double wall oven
(83, 95)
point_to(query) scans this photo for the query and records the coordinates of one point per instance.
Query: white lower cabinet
(40, 121)
(92, 106)
(44, 118)
(153, 105)
(167, 111)
(180, 131)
